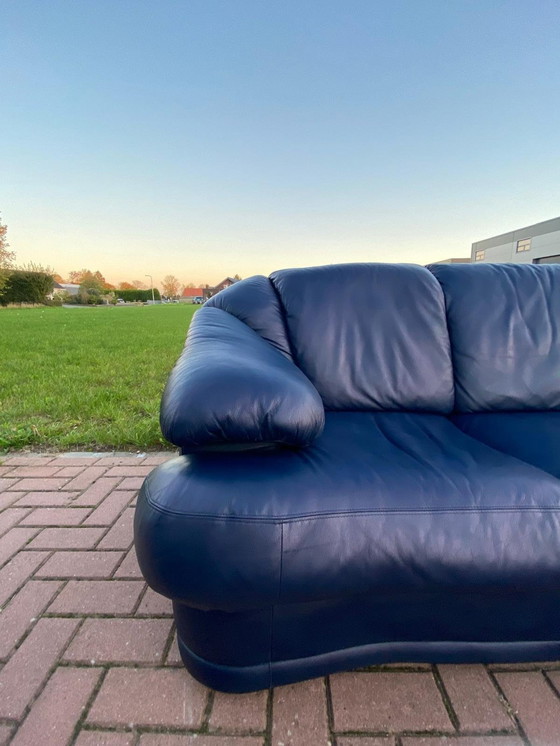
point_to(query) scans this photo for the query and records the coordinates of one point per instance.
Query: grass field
(86, 378)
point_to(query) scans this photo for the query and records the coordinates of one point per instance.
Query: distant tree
(77, 277)
(139, 285)
(190, 285)
(58, 278)
(237, 277)
(92, 281)
(126, 286)
(7, 257)
(37, 267)
(171, 286)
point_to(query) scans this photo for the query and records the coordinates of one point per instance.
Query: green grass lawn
(87, 378)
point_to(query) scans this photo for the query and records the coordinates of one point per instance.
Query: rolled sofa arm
(230, 388)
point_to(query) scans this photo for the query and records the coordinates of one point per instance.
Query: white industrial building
(535, 244)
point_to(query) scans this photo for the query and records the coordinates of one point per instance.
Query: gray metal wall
(545, 241)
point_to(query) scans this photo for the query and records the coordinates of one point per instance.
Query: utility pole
(152, 285)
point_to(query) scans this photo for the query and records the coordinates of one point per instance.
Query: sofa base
(257, 649)
(265, 675)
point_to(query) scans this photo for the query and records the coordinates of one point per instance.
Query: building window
(524, 245)
(479, 255)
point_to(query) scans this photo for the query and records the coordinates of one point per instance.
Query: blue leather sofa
(370, 473)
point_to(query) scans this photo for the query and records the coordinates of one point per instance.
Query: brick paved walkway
(88, 657)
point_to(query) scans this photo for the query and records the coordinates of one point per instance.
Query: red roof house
(192, 293)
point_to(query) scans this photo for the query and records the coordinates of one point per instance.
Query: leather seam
(284, 318)
(273, 606)
(349, 513)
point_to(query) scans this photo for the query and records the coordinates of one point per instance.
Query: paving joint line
(447, 703)
(267, 741)
(330, 710)
(168, 644)
(508, 707)
(87, 707)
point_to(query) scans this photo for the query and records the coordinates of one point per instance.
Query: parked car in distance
(120, 301)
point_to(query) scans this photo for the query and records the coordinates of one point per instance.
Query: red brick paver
(35, 483)
(129, 695)
(65, 538)
(120, 641)
(98, 597)
(11, 517)
(13, 541)
(474, 699)
(54, 715)
(22, 610)
(535, 704)
(300, 714)
(9, 498)
(88, 655)
(55, 517)
(239, 713)
(17, 571)
(388, 701)
(95, 494)
(87, 565)
(46, 499)
(29, 666)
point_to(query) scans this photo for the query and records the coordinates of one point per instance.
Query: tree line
(33, 283)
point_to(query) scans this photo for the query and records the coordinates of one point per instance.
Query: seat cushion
(504, 324)
(533, 437)
(379, 501)
(361, 345)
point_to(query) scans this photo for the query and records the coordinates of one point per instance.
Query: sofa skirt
(257, 649)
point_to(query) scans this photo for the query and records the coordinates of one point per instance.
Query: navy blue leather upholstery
(370, 336)
(255, 302)
(406, 501)
(504, 323)
(282, 643)
(231, 388)
(394, 527)
(533, 437)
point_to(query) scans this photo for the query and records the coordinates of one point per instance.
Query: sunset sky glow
(205, 138)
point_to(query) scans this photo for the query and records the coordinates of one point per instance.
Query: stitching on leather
(271, 646)
(273, 606)
(281, 560)
(350, 513)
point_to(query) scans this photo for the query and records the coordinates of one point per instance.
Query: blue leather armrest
(230, 388)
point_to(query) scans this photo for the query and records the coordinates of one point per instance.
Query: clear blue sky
(204, 138)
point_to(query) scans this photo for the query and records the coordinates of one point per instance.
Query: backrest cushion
(369, 336)
(504, 325)
(255, 302)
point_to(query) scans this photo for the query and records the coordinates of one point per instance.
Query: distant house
(193, 295)
(60, 288)
(228, 282)
(199, 295)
